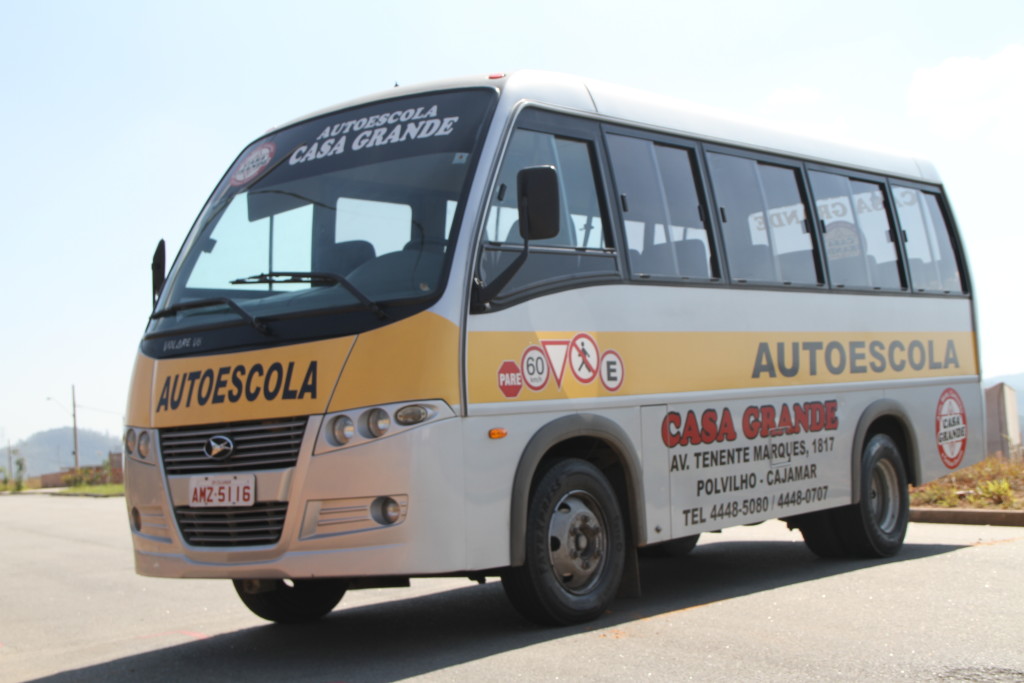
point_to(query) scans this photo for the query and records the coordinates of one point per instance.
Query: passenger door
(519, 344)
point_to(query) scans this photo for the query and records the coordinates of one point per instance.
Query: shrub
(995, 482)
(19, 474)
(996, 492)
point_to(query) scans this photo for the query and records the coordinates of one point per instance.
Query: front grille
(260, 445)
(231, 527)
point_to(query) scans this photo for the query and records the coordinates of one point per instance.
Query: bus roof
(632, 107)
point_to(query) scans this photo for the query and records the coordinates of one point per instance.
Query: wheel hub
(576, 541)
(883, 498)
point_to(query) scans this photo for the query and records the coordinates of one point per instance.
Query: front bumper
(324, 506)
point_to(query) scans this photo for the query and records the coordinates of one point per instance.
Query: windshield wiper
(214, 301)
(333, 278)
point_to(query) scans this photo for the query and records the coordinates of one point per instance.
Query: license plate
(222, 491)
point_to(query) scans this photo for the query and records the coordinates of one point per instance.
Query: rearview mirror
(537, 193)
(158, 267)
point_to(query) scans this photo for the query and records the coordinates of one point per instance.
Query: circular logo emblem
(253, 163)
(219, 447)
(951, 428)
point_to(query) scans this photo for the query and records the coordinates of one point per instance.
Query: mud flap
(629, 587)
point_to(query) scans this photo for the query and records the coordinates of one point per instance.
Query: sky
(120, 117)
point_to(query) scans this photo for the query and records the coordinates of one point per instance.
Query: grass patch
(103, 490)
(995, 483)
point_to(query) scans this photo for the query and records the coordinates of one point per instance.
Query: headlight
(130, 442)
(378, 422)
(144, 444)
(342, 430)
(357, 427)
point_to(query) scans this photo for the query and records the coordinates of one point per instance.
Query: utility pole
(74, 423)
(74, 420)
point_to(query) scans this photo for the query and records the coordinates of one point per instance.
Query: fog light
(144, 444)
(386, 510)
(130, 441)
(342, 430)
(136, 519)
(378, 422)
(411, 415)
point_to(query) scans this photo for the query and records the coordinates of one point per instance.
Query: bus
(533, 326)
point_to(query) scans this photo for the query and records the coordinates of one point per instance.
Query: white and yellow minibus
(530, 325)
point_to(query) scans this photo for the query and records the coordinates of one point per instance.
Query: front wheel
(575, 548)
(291, 602)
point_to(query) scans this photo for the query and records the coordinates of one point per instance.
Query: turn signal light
(411, 415)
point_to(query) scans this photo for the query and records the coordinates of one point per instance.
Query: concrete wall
(1003, 428)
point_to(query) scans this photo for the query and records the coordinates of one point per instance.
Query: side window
(665, 230)
(579, 249)
(857, 232)
(764, 221)
(582, 224)
(929, 246)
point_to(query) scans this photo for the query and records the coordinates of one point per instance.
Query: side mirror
(537, 194)
(159, 267)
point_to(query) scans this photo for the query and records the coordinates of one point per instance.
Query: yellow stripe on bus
(412, 359)
(267, 383)
(582, 365)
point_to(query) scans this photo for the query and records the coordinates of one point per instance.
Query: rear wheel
(575, 548)
(820, 533)
(874, 527)
(291, 602)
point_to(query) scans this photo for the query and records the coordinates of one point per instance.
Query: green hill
(53, 450)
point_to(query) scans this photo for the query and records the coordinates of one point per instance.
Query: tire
(821, 534)
(876, 526)
(677, 547)
(575, 548)
(301, 601)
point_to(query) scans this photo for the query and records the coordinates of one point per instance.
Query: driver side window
(581, 246)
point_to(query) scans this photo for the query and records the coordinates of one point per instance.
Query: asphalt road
(749, 604)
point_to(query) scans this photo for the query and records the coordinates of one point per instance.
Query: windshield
(328, 227)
